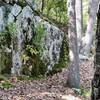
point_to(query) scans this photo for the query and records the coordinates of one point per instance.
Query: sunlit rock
(16, 9)
(26, 22)
(2, 18)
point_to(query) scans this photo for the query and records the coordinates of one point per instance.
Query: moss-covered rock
(39, 41)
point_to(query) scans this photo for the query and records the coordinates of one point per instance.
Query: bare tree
(79, 21)
(73, 76)
(42, 6)
(88, 39)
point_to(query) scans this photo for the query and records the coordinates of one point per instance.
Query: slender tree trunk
(73, 76)
(79, 21)
(42, 6)
(96, 79)
(88, 39)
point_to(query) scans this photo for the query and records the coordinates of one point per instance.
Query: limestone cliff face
(26, 21)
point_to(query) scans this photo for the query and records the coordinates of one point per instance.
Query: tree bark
(73, 76)
(88, 39)
(79, 21)
(96, 79)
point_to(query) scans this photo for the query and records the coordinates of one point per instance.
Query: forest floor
(51, 88)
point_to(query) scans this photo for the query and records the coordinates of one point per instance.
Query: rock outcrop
(26, 21)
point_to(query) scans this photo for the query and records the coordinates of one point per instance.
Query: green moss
(27, 78)
(2, 78)
(38, 39)
(6, 84)
(5, 42)
(7, 35)
(5, 63)
(22, 3)
(24, 77)
(33, 65)
(83, 92)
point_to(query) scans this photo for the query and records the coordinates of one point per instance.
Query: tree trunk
(73, 76)
(79, 21)
(42, 6)
(88, 39)
(96, 79)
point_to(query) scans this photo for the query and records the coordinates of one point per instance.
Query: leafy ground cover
(51, 88)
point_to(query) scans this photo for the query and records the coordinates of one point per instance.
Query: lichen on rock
(27, 22)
